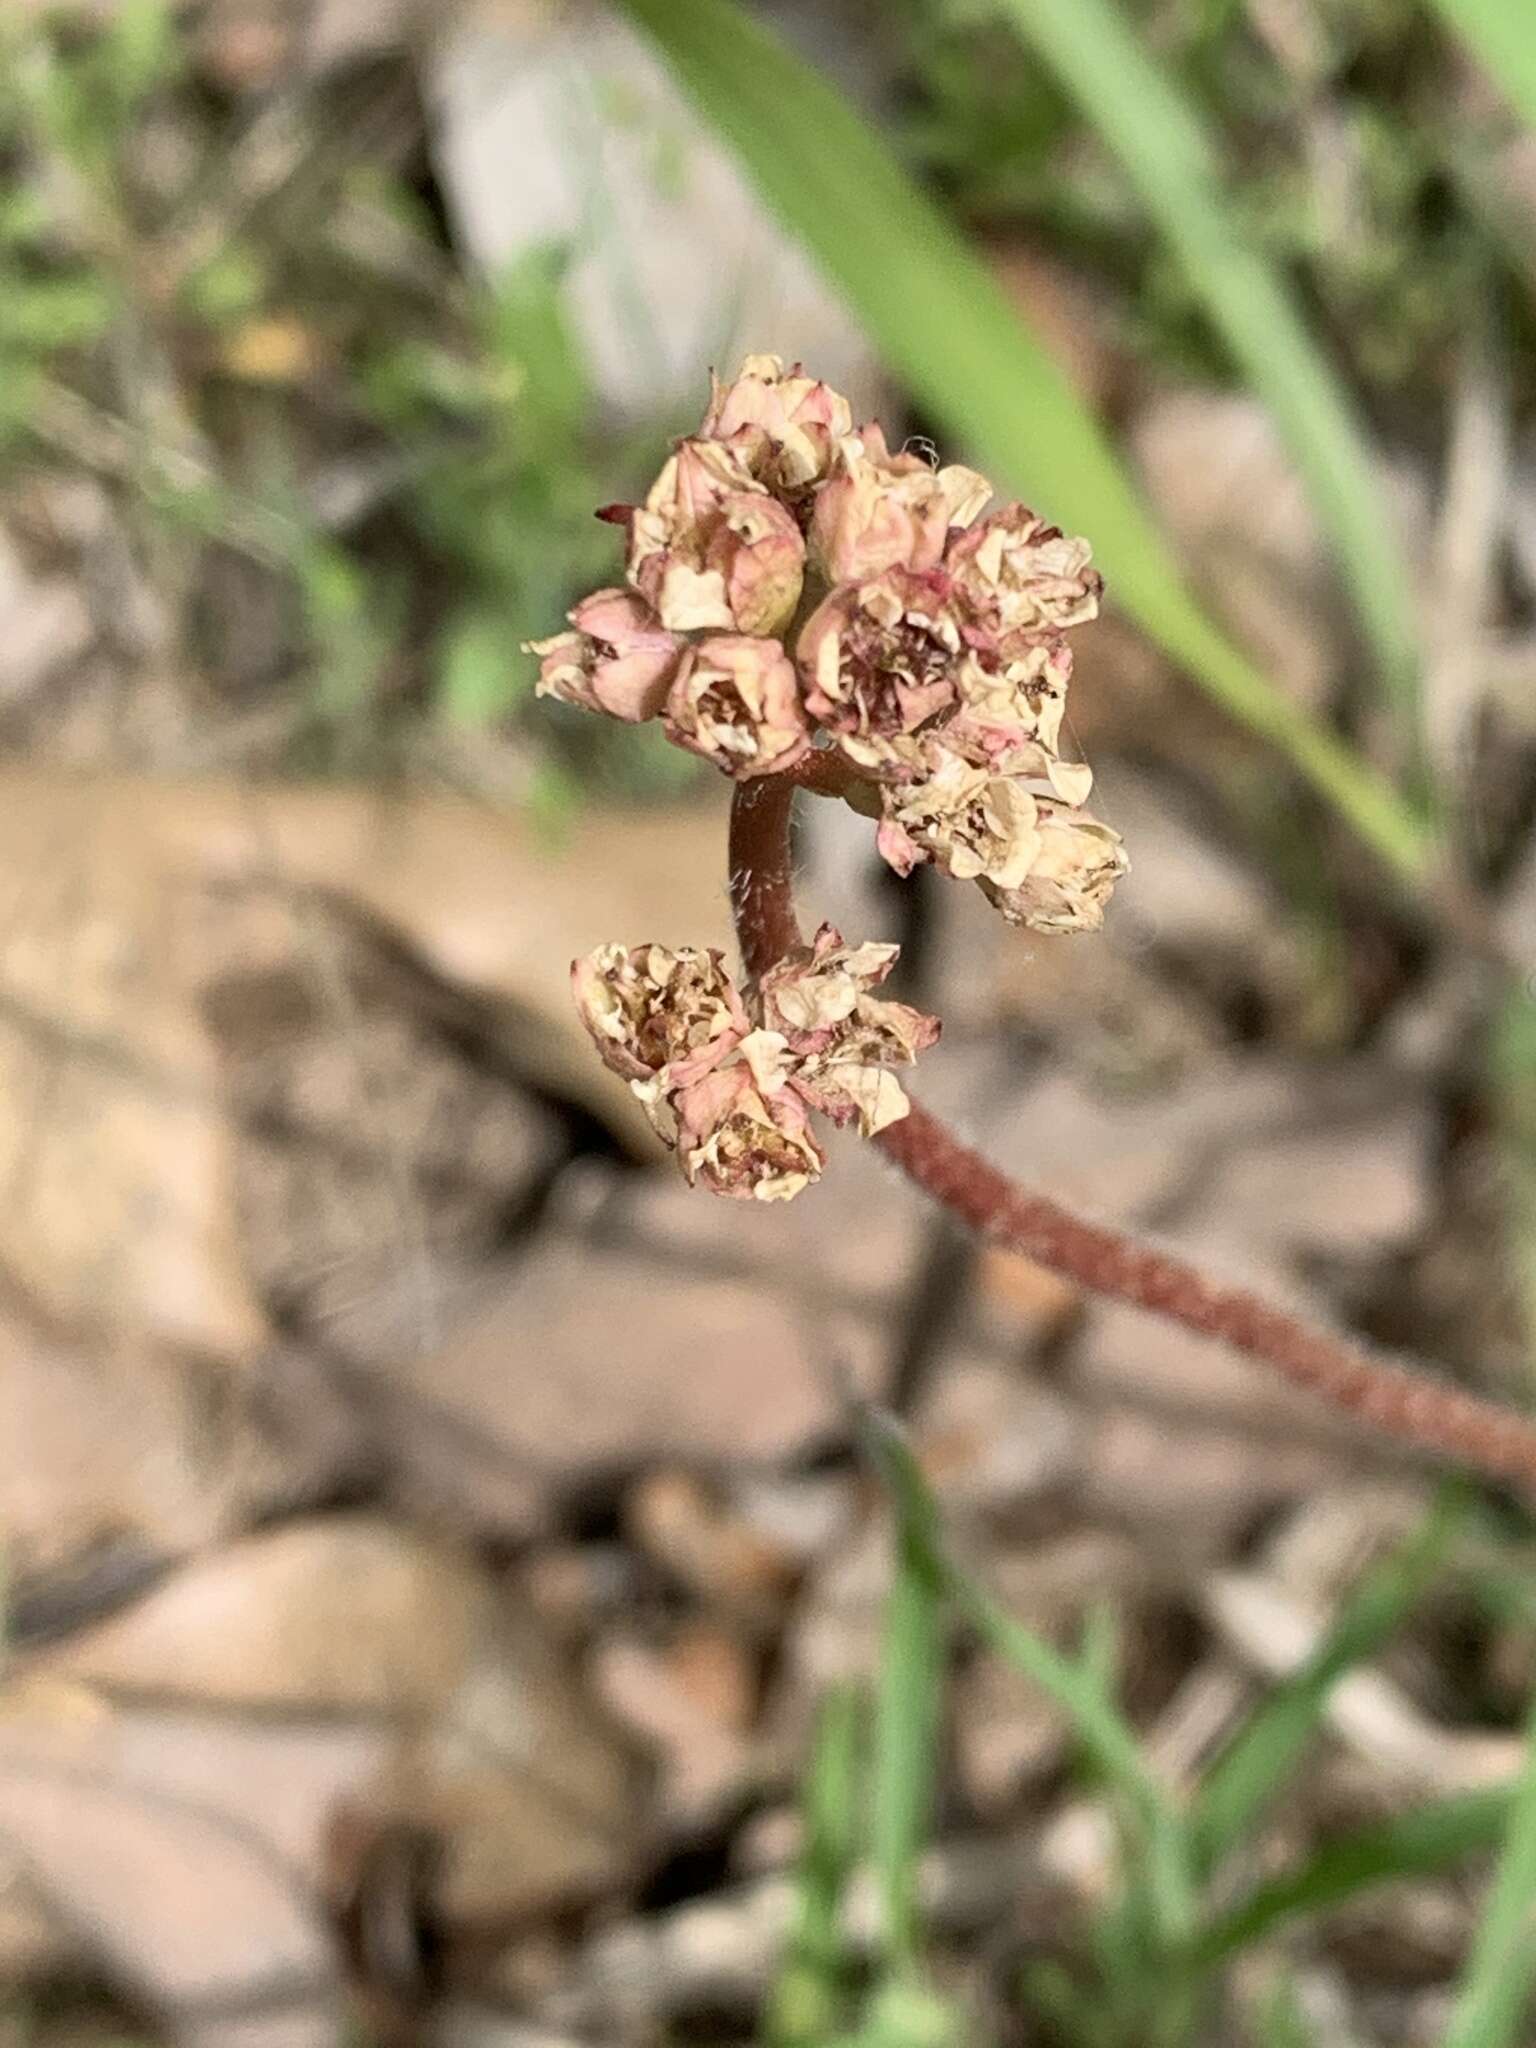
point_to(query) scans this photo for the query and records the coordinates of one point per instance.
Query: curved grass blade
(1108, 1742)
(944, 326)
(806, 2004)
(1261, 1756)
(1140, 114)
(907, 1708)
(1415, 1844)
(1495, 1992)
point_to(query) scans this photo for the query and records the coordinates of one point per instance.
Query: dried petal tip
(745, 1139)
(880, 510)
(1015, 575)
(660, 1018)
(735, 701)
(620, 659)
(1076, 866)
(710, 549)
(783, 424)
(842, 1038)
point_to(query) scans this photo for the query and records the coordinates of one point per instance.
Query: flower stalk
(1401, 1402)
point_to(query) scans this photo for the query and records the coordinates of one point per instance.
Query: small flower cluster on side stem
(800, 599)
(727, 1078)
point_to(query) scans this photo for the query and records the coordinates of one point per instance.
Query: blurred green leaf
(906, 1743)
(1140, 113)
(41, 314)
(140, 52)
(902, 2014)
(806, 2004)
(229, 287)
(1108, 1741)
(480, 670)
(1502, 36)
(540, 367)
(1495, 1992)
(946, 328)
(1429, 1839)
(1260, 1758)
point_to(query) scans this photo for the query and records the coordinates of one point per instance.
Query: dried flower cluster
(795, 586)
(728, 1080)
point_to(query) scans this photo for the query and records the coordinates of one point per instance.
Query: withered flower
(879, 661)
(974, 824)
(710, 548)
(1014, 574)
(620, 659)
(880, 510)
(1076, 865)
(660, 1018)
(1010, 711)
(743, 1133)
(843, 1038)
(783, 424)
(735, 700)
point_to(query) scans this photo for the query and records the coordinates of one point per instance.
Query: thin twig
(1400, 1402)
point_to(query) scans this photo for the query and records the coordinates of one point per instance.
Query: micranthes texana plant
(808, 609)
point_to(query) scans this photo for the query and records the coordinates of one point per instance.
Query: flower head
(620, 659)
(1014, 574)
(659, 1018)
(880, 510)
(783, 424)
(710, 548)
(735, 700)
(1076, 865)
(976, 825)
(879, 661)
(743, 1132)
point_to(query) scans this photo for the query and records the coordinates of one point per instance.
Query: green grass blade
(1413, 1844)
(1108, 1742)
(1261, 1756)
(907, 1709)
(1500, 35)
(945, 327)
(1141, 115)
(1496, 1989)
(805, 2006)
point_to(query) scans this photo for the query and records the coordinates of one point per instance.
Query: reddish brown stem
(1404, 1404)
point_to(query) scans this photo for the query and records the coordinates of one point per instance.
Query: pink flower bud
(881, 511)
(842, 1038)
(1014, 574)
(784, 425)
(735, 700)
(743, 1136)
(879, 661)
(974, 824)
(661, 1019)
(710, 549)
(620, 659)
(1076, 865)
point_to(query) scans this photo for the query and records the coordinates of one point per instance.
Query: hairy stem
(1403, 1403)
